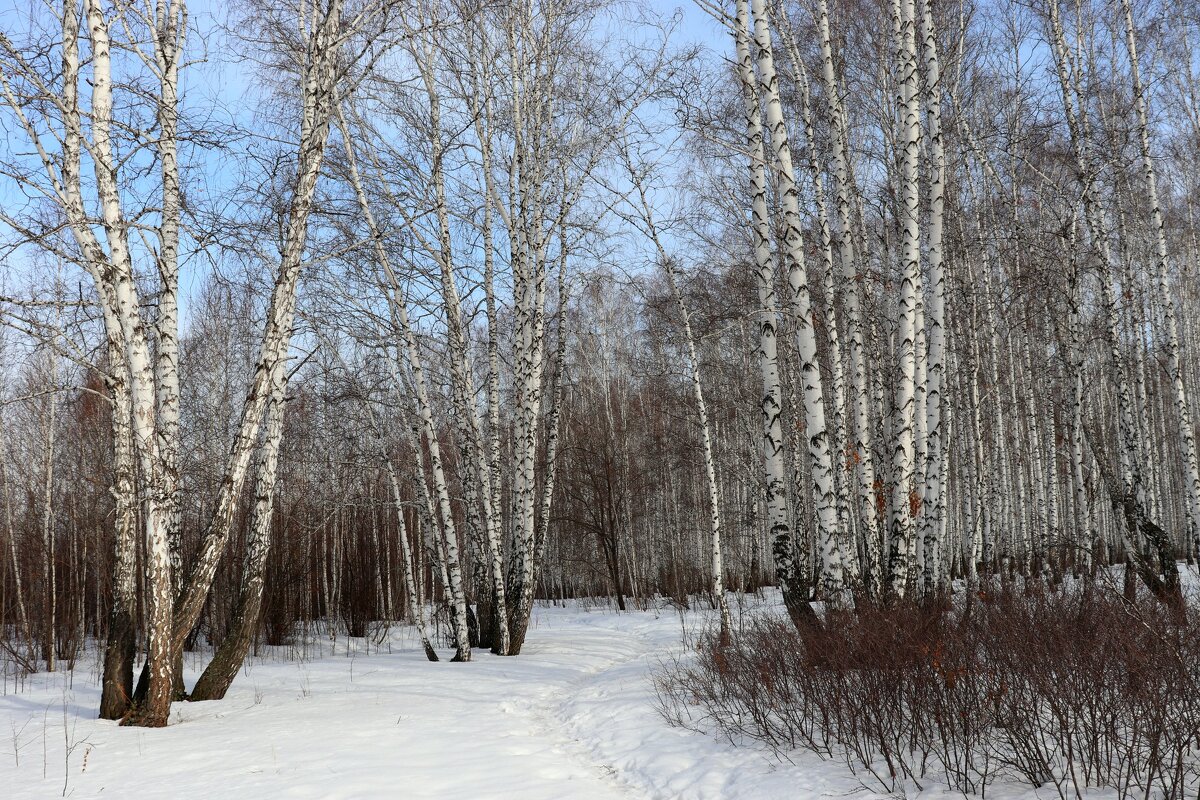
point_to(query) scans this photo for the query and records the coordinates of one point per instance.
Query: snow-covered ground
(573, 717)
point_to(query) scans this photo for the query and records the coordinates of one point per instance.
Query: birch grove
(430, 312)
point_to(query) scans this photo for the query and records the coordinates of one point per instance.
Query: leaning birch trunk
(905, 499)
(1174, 369)
(816, 432)
(933, 502)
(214, 682)
(463, 388)
(318, 101)
(710, 468)
(1128, 491)
(447, 533)
(791, 582)
(434, 541)
(410, 581)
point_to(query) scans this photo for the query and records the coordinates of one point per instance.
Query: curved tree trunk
(230, 655)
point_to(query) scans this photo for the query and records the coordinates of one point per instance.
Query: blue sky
(219, 83)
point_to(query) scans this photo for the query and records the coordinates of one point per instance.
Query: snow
(574, 716)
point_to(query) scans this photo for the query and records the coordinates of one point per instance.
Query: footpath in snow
(573, 717)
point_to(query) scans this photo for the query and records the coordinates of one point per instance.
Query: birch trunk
(49, 566)
(863, 456)
(710, 469)
(791, 583)
(1162, 265)
(324, 40)
(842, 459)
(816, 432)
(528, 232)
(1082, 506)
(22, 611)
(463, 388)
(154, 709)
(410, 581)
(905, 498)
(117, 690)
(933, 502)
(214, 682)
(168, 32)
(448, 536)
(482, 114)
(1128, 493)
(553, 421)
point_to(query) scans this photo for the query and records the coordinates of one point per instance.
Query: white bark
(555, 415)
(933, 502)
(905, 498)
(843, 459)
(710, 469)
(1130, 484)
(448, 533)
(768, 324)
(141, 375)
(863, 455)
(328, 32)
(49, 417)
(22, 612)
(816, 432)
(410, 581)
(1167, 300)
(481, 108)
(168, 31)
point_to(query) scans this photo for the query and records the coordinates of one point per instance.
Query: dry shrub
(1068, 690)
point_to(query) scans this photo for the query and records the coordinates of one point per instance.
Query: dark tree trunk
(612, 553)
(116, 696)
(228, 660)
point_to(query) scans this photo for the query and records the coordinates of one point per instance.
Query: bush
(1070, 690)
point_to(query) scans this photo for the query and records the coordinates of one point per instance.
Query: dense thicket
(1058, 691)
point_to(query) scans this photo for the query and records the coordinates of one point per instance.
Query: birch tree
(791, 583)
(816, 431)
(932, 502)
(1162, 267)
(111, 266)
(905, 499)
